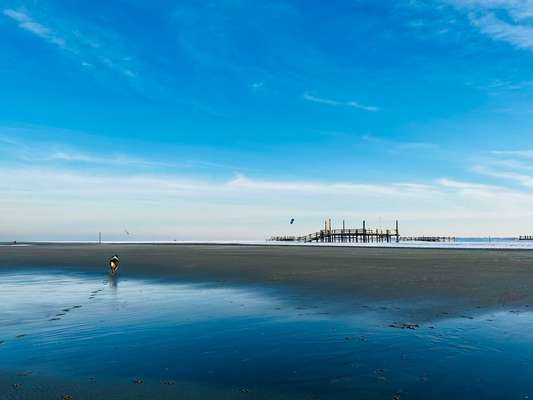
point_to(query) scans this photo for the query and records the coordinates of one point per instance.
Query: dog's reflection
(113, 282)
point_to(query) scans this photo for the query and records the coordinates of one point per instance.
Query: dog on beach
(113, 264)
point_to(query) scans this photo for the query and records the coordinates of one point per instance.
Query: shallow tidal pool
(67, 335)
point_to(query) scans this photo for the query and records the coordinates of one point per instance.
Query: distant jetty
(345, 235)
(525, 237)
(363, 235)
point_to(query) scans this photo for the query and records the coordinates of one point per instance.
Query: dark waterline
(244, 341)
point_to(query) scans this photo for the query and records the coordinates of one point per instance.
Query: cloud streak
(518, 35)
(514, 168)
(86, 49)
(503, 20)
(48, 153)
(27, 23)
(518, 153)
(335, 103)
(398, 147)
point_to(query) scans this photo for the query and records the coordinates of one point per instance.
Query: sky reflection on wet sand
(257, 339)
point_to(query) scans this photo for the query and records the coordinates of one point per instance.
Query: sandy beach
(258, 322)
(468, 279)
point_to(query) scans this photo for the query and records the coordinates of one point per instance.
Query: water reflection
(255, 338)
(113, 282)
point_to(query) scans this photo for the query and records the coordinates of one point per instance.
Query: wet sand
(459, 279)
(28, 386)
(377, 323)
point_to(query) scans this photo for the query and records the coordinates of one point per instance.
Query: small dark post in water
(364, 231)
(99, 237)
(397, 232)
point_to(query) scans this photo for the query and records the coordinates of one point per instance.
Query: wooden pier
(284, 238)
(428, 239)
(525, 237)
(344, 235)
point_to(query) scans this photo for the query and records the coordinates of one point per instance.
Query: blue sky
(186, 120)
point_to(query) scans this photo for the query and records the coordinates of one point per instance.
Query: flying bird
(292, 221)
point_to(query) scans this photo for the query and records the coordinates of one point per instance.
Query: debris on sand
(244, 390)
(17, 386)
(170, 383)
(404, 325)
(138, 381)
(67, 397)
(380, 374)
(21, 335)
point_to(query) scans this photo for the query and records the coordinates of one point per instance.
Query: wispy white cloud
(471, 186)
(47, 152)
(511, 164)
(519, 153)
(521, 179)
(518, 9)
(505, 20)
(517, 34)
(508, 167)
(257, 85)
(86, 48)
(27, 23)
(397, 146)
(241, 182)
(110, 159)
(335, 103)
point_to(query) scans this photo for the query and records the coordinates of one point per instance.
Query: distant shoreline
(502, 244)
